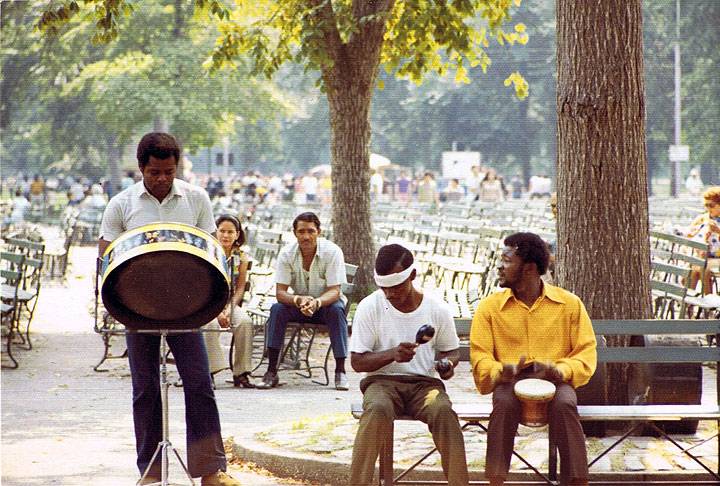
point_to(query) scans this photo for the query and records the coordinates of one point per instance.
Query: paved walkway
(64, 424)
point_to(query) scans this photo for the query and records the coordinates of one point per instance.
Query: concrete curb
(314, 468)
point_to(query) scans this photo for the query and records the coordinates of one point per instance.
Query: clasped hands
(307, 304)
(404, 352)
(544, 371)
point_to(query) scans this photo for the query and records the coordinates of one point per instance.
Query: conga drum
(165, 276)
(534, 396)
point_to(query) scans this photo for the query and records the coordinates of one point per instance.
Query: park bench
(640, 416)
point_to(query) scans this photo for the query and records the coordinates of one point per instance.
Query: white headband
(394, 278)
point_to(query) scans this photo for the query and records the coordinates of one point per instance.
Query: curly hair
(531, 249)
(712, 194)
(159, 145)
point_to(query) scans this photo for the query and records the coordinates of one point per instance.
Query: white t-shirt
(378, 326)
(376, 183)
(310, 184)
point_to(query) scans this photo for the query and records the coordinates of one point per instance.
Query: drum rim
(545, 383)
(157, 226)
(178, 246)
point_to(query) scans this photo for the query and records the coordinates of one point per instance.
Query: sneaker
(341, 381)
(219, 478)
(270, 380)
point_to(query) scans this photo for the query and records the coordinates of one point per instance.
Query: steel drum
(165, 276)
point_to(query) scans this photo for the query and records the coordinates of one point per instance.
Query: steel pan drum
(165, 276)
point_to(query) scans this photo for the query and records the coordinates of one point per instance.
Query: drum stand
(165, 446)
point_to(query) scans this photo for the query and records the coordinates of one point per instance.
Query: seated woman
(232, 237)
(706, 228)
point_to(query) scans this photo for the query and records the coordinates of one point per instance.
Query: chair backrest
(669, 283)
(12, 261)
(11, 265)
(349, 288)
(31, 248)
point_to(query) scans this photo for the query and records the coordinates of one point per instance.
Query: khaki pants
(424, 398)
(243, 334)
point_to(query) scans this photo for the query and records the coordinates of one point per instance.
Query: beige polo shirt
(135, 206)
(326, 270)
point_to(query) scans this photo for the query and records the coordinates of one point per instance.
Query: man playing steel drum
(159, 197)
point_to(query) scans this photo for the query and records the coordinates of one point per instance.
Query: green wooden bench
(639, 415)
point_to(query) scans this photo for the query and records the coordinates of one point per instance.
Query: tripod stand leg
(165, 444)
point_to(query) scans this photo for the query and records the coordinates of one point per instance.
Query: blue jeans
(205, 453)
(332, 316)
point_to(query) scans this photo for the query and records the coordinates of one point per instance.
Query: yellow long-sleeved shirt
(556, 329)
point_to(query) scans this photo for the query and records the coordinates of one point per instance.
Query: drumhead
(165, 276)
(534, 389)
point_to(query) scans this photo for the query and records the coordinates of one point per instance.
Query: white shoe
(341, 381)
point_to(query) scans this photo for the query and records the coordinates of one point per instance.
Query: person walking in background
(403, 187)
(20, 206)
(310, 185)
(694, 183)
(454, 192)
(539, 186)
(37, 191)
(516, 186)
(377, 183)
(491, 189)
(427, 190)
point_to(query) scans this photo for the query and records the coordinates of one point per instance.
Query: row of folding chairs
(22, 266)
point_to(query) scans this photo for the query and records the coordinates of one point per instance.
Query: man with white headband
(401, 377)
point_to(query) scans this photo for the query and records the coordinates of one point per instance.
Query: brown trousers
(387, 397)
(565, 429)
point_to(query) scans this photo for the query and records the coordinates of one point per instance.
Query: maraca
(424, 334)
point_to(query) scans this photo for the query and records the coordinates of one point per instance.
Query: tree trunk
(349, 83)
(603, 246)
(114, 154)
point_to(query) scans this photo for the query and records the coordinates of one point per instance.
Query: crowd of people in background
(30, 194)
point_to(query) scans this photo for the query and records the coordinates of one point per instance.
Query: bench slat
(658, 354)
(648, 412)
(651, 326)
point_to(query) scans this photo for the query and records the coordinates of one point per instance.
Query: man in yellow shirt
(532, 330)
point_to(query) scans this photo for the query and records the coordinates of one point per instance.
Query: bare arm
(373, 361)
(102, 246)
(240, 282)
(283, 296)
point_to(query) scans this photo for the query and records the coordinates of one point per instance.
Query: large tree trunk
(603, 247)
(349, 83)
